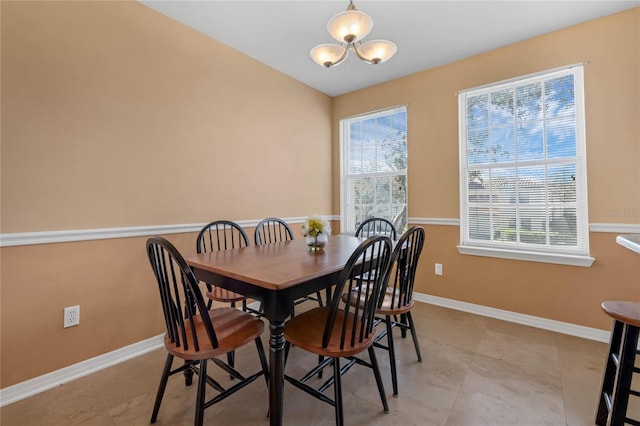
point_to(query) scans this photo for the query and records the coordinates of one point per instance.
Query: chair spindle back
(272, 230)
(377, 226)
(182, 301)
(404, 262)
(221, 235)
(356, 321)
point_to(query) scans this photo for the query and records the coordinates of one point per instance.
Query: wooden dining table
(276, 274)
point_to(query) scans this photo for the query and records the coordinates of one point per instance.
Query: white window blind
(374, 168)
(522, 166)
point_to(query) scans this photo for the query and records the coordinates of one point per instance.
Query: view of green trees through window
(374, 180)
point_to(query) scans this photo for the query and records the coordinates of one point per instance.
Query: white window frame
(345, 226)
(575, 256)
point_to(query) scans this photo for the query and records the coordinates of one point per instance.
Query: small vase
(317, 243)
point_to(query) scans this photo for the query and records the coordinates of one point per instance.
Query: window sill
(560, 259)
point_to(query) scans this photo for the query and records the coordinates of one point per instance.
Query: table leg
(276, 371)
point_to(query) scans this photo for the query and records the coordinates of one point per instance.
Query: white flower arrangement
(315, 225)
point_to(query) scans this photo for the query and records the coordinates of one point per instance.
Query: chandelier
(349, 28)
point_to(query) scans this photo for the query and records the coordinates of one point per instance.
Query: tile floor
(476, 371)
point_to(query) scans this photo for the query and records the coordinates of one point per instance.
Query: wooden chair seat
(625, 311)
(389, 304)
(220, 294)
(305, 331)
(234, 328)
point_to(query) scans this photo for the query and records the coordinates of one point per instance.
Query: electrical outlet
(71, 316)
(438, 270)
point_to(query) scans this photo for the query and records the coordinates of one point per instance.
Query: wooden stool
(616, 384)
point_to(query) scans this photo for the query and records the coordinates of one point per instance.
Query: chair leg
(161, 387)
(188, 376)
(292, 309)
(624, 375)
(328, 295)
(231, 360)
(376, 373)
(202, 384)
(319, 296)
(337, 388)
(287, 347)
(609, 378)
(392, 354)
(403, 320)
(263, 360)
(414, 336)
(210, 301)
(190, 303)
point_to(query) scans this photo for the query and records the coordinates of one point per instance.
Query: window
(374, 168)
(523, 192)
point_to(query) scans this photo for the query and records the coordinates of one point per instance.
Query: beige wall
(610, 47)
(116, 116)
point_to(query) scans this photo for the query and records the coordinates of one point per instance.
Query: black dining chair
(397, 297)
(376, 226)
(222, 235)
(344, 330)
(197, 334)
(273, 230)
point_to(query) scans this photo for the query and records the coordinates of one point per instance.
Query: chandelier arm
(341, 58)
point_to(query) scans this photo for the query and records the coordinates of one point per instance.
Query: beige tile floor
(476, 371)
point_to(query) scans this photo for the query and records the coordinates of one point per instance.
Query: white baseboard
(524, 319)
(47, 381)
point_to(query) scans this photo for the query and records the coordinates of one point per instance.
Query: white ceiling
(428, 33)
